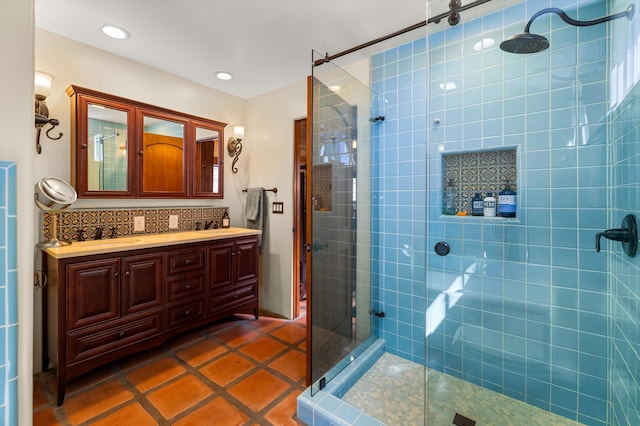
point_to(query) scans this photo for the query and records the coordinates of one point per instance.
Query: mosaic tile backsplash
(121, 221)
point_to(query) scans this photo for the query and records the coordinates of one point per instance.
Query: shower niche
(482, 172)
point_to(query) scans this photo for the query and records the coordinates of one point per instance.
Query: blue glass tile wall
(8, 295)
(111, 152)
(525, 301)
(399, 168)
(624, 151)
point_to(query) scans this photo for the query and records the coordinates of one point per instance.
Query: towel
(252, 204)
(256, 211)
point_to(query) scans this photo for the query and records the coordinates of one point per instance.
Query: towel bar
(274, 190)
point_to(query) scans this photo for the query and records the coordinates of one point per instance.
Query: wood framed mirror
(208, 150)
(127, 149)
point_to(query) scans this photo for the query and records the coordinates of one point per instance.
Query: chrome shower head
(533, 43)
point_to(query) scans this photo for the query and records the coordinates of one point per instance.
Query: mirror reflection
(107, 149)
(207, 160)
(163, 155)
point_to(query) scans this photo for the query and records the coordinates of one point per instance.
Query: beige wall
(270, 157)
(16, 138)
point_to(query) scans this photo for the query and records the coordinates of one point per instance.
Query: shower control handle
(627, 235)
(612, 234)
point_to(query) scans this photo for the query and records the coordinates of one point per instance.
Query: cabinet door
(208, 163)
(141, 282)
(102, 149)
(220, 266)
(93, 292)
(246, 259)
(162, 154)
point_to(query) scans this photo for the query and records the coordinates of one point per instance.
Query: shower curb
(326, 407)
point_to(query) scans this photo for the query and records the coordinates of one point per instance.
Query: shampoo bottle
(449, 201)
(477, 205)
(489, 205)
(507, 202)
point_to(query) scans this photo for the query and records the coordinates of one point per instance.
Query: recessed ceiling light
(223, 75)
(114, 31)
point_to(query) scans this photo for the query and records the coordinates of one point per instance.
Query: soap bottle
(477, 205)
(226, 221)
(489, 208)
(449, 202)
(507, 202)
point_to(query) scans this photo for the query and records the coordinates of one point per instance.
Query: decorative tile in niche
(322, 190)
(479, 171)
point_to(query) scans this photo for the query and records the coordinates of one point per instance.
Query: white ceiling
(265, 44)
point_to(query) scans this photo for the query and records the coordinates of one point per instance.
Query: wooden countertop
(135, 242)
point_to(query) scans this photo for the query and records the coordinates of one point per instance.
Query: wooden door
(299, 214)
(162, 163)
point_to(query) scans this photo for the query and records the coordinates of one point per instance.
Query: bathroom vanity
(107, 299)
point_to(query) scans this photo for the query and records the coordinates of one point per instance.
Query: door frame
(308, 225)
(298, 142)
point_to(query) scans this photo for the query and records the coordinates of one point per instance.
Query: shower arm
(566, 18)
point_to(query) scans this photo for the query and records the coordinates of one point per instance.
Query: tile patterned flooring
(392, 391)
(235, 372)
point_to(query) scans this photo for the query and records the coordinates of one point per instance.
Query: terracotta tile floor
(235, 372)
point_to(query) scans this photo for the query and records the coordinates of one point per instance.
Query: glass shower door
(339, 195)
(519, 319)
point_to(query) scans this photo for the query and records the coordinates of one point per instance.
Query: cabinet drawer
(185, 313)
(187, 260)
(99, 340)
(184, 286)
(238, 296)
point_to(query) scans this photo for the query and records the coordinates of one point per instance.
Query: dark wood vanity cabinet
(233, 275)
(103, 307)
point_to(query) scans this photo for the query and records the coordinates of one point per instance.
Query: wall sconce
(234, 146)
(42, 90)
